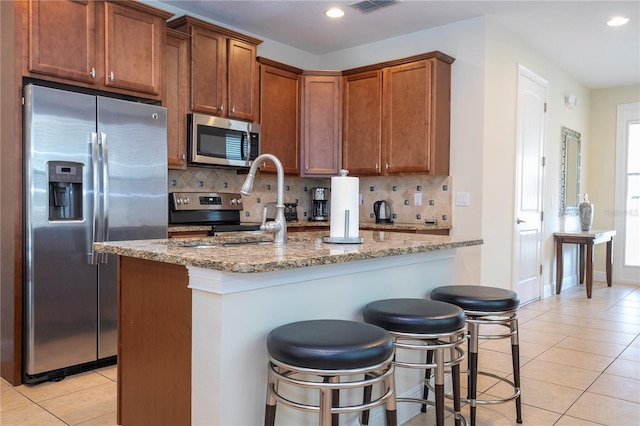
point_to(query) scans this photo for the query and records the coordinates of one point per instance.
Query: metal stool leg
(391, 408)
(439, 355)
(474, 329)
(427, 377)
(270, 411)
(515, 358)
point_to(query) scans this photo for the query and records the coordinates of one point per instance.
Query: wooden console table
(586, 240)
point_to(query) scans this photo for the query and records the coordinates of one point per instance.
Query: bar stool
(329, 356)
(487, 306)
(433, 328)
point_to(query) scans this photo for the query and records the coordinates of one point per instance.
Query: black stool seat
(477, 298)
(417, 316)
(330, 344)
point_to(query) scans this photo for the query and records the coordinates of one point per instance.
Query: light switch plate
(417, 199)
(462, 198)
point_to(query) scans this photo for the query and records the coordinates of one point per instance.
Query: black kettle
(382, 210)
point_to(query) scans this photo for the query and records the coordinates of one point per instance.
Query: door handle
(519, 221)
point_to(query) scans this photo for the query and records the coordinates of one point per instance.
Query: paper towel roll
(344, 196)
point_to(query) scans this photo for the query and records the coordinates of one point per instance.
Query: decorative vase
(586, 214)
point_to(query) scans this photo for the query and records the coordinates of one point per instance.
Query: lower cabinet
(154, 343)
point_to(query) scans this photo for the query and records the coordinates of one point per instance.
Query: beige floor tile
(605, 410)
(83, 405)
(604, 336)
(110, 419)
(536, 393)
(557, 317)
(573, 421)
(110, 372)
(631, 353)
(591, 346)
(617, 387)
(578, 359)
(11, 398)
(620, 327)
(541, 325)
(626, 309)
(547, 338)
(48, 390)
(624, 368)
(505, 414)
(577, 378)
(619, 317)
(29, 415)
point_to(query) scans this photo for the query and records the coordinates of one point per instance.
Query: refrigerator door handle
(95, 160)
(105, 192)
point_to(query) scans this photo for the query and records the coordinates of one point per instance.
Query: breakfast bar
(195, 313)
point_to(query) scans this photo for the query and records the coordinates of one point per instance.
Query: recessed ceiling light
(334, 12)
(617, 21)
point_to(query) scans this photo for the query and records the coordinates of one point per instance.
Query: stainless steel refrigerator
(95, 170)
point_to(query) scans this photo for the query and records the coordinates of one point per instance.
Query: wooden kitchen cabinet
(114, 46)
(176, 97)
(413, 137)
(280, 114)
(224, 70)
(362, 123)
(321, 123)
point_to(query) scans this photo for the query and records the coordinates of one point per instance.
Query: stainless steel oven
(219, 210)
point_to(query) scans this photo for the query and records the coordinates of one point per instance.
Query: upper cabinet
(280, 114)
(176, 96)
(224, 70)
(362, 133)
(321, 123)
(397, 117)
(115, 46)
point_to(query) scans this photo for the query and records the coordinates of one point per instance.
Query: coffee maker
(319, 204)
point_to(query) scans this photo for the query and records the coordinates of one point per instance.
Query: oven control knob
(239, 200)
(185, 201)
(178, 201)
(232, 201)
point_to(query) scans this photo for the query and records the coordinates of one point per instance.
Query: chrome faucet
(278, 227)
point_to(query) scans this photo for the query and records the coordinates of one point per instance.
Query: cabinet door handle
(183, 157)
(386, 165)
(221, 108)
(377, 167)
(233, 109)
(93, 73)
(111, 76)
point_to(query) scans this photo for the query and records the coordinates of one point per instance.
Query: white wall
(504, 53)
(600, 182)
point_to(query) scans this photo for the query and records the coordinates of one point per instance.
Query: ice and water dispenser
(65, 190)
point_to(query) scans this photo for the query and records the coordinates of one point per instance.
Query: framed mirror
(570, 172)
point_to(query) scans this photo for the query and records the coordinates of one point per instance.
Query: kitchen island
(194, 314)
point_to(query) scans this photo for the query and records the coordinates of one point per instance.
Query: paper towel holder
(347, 239)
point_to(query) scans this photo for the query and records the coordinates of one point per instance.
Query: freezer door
(133, 138)
(60, 288)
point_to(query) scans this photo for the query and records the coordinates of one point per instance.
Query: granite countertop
(255, 252)
(310, 224)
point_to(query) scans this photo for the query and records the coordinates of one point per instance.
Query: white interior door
(627, 219)
(531, 125)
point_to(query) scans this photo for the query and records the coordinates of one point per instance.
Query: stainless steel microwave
(221, 141)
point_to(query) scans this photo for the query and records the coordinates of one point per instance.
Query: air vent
(367, 6)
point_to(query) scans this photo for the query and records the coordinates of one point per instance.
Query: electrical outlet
(417, 199)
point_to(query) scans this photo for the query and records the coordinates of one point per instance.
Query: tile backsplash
(398, 191)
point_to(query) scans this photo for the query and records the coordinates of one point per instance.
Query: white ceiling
(572, 34)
